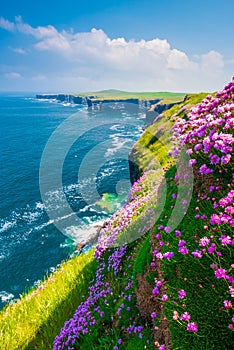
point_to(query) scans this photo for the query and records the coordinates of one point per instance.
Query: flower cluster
(137, 215)
(84, 317)
(208, 132)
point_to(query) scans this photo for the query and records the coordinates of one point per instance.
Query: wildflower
(192, 327)
(212, 248)
(183, 250)
(181, 243)
(227, 304)
(231, 290)
(197, 254)
(153, 315)
(185, 316)
(220, 273)
(175, 315)
(225, 240)
(181, 294)
(177, 233)
(161, 347)
(155, 291)
(164, 297)
(204, 241)
(168, 255)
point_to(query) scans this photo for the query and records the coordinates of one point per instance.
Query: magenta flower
(155, 291)
(212, 248)
(192, 162)
(164, 297)
(204, 241)
(215, 219)
(185, 316)
(225, 240)
(183, 250)
(197, 254)
(153, 315)
(168, 255)
(181, 294)
(227, 304)
(220, 273)
(181, 243)
(177, 233)
(192, 327)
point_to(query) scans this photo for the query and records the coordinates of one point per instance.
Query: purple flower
(185, 316)
(225, 240)
(181, 243)
(192, 327)
(155, 291)
(197, 254)
(204, 241)
(181, 294)
(153, 315)
(220, 273)
(164, 297)
(168, 255)
(192, 162)
(227, 304)
(183, 250)
(212, 248)
(177, 233)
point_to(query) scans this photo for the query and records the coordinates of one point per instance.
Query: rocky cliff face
(62, 98)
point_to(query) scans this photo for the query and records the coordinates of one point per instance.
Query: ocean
(64, 170)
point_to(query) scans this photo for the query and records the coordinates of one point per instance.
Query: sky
(133, 45)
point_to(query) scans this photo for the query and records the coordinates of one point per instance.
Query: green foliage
(143, 257)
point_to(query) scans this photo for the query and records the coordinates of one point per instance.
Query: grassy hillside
(162, 276)
(168, 97)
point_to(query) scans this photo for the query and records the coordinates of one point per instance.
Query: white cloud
(212, 62)
(39, 77)
(13, 75)
(144, 64)
(7, 25)
(19, 50)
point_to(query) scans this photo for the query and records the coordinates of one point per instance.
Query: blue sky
(150, 45)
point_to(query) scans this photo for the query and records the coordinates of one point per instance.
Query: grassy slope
(168, 97)
(34, 321)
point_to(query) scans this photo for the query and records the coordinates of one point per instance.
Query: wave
(5, 296)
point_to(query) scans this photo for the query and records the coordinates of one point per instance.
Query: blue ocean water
(87, 154)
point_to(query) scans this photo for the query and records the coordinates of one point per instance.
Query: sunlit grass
(40, 314)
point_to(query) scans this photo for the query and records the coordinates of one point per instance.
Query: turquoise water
(36, 235)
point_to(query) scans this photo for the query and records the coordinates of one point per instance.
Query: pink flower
(164, 297)
(177, 233)
(153, 315)
(185, 316)
(215, 219)
(197, 254)
(204, 241)
(220, 273)
(181, 294)
(192, 327)
(226, 159)
(227, 304)
(225, 240)
(183, 250)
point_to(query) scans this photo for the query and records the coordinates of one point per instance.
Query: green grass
(33, 321)
(111, 94)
